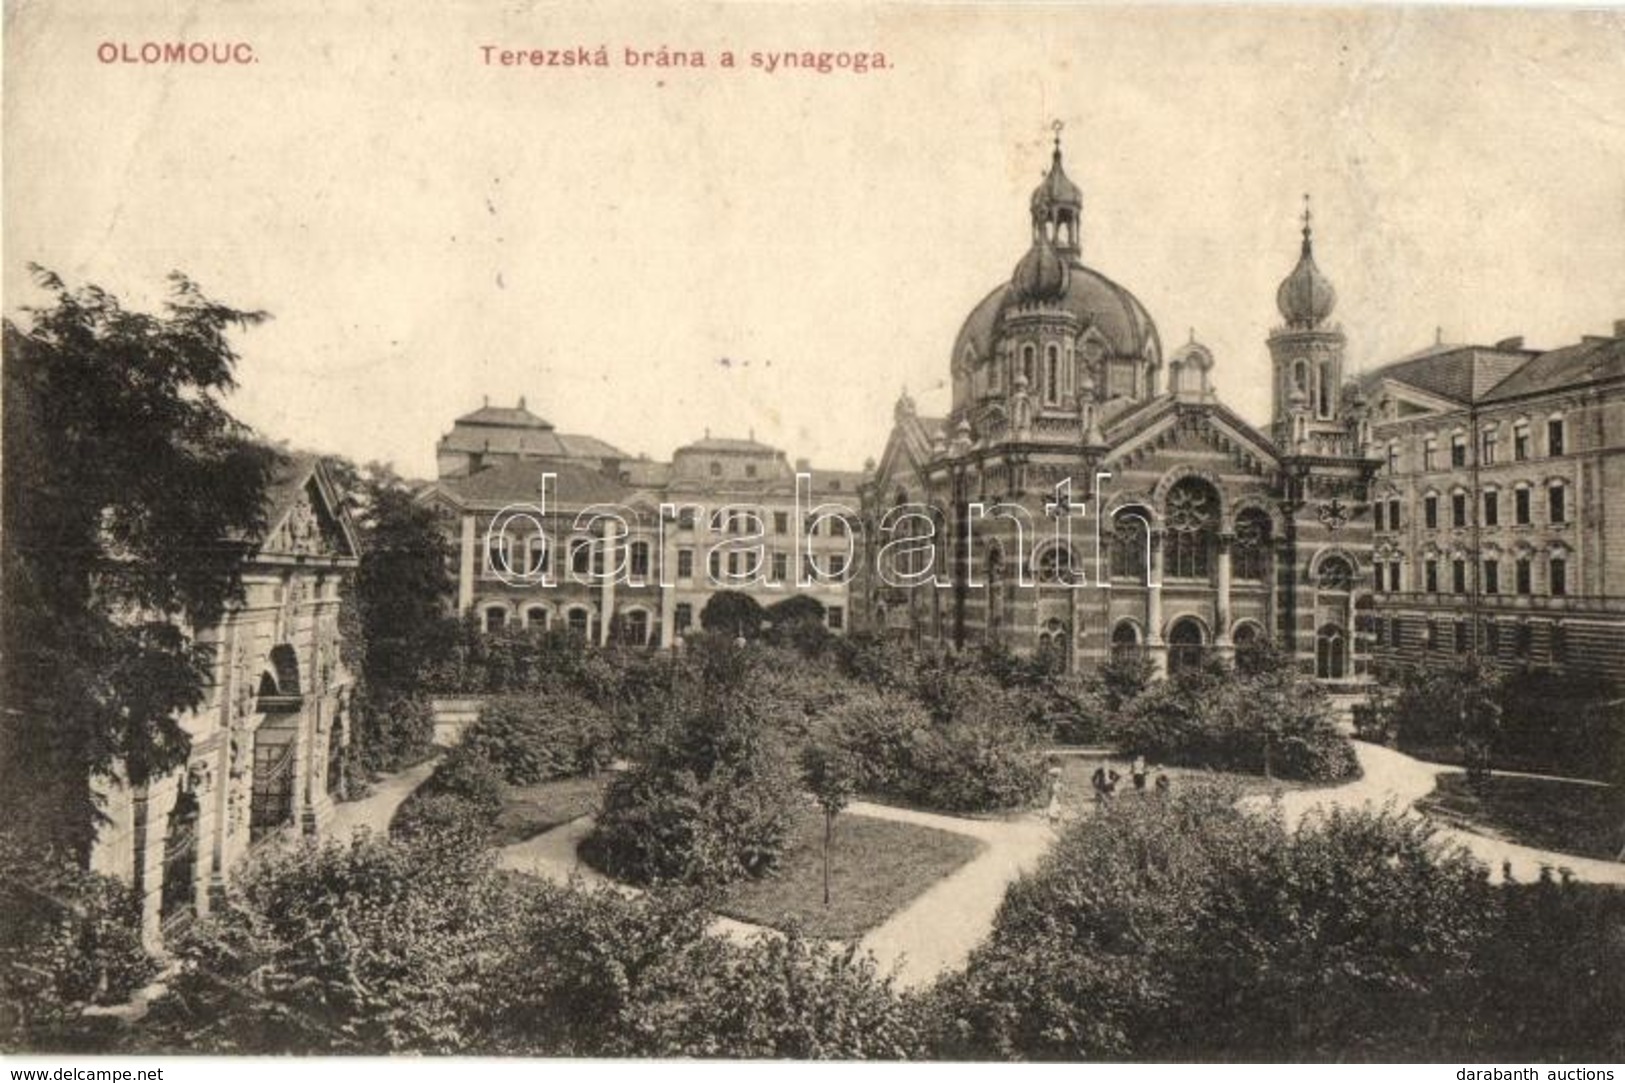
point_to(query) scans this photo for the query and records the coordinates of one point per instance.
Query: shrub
(366, 946)
(958, 766)
(389, 729)
(534, 738)
(1271, 720)
(607, 976)
(442, 814)
(69, 939)
(1184, 929)
(462, 797)
(713, 795)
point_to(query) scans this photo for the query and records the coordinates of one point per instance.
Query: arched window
(1125, 642)
(579, 618)
(1055, 565)
(1054, 647)
(1186, 645)
(581, 556)
(1324, 389)
(1028, 358)
(995, 591)
(536, 617)
(536, 552)
(496, 618)
(1192, 519)
(1336, 574)
(640, 560)
(1052, 374)
(1250, 643)
(1131, 546)
(497, 560)
(1250, 559)
(635, 628)
(1331, 653)
(1300, 375)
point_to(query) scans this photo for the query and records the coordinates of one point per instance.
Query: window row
(1490, 450)
(1495, 576)
(1388, 514)
(1494, 637)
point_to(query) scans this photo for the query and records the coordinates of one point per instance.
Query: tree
(132, 496)
(402, 584)
(732, 614)
(831, 774)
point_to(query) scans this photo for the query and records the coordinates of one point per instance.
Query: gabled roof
(1585, 362)
(295, 477)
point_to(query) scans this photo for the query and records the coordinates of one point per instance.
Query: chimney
(521, 402)
(1513, 343)
(1619, 328)
(803, 466)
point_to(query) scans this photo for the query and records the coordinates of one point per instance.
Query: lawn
(527, 811)
(876, 868)
(1568, 817)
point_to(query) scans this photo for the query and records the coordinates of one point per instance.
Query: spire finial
(1056, 127)
(1308, 231)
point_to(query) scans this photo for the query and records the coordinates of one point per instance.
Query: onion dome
(1042, 274)
(1306, 297)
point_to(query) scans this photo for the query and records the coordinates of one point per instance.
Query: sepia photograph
(737, 531)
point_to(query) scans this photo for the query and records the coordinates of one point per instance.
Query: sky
(647, 254)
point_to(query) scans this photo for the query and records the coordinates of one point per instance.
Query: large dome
(1092, 298)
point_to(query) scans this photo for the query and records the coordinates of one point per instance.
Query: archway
(1187, 643)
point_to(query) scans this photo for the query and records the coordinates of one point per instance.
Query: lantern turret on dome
(1057, 205)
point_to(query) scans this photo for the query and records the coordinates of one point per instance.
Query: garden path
(938, 930)
(376, 809)
(1393, 778)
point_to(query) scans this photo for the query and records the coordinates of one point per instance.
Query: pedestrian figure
(1163, 785)
(1105, 781)
(1138, 773)
(1053, 813)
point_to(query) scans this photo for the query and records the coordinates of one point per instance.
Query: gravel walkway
(1393, 778)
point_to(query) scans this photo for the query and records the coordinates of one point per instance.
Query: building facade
(1088, 495)
(266, 741)
(1499, 509)
(631, 550)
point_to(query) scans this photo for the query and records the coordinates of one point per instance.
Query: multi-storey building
(1197, 533)
(630, 550)
(1499, 508)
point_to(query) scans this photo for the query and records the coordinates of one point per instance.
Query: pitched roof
(521, 480)
(1585, 362)
(505, 416)
(1459, 373)
(728, 444)
(529, 441)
